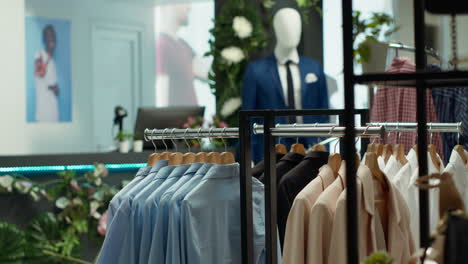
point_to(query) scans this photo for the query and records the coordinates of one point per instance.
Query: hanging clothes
(322, 215)
(392, 167)
(451, 105)
(398, 104)
(259, 169)
(293, 182)
(399, 243)
(297, 235)
(284, 165)
(459, 171)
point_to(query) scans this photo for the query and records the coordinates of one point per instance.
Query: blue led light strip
(42, 169)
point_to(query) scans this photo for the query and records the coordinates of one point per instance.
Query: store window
(181, 35)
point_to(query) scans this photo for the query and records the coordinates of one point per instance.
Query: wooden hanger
(213, 157)
(281, 149)
(379, 149)
(298, 148)
(372, 163)
(434, 157)
(226, 157)
(177, 157)
(319, 147)
(188, 157)
(387, 152)
(334, 160)
(200, 156)
(399, 153)
(461, 151)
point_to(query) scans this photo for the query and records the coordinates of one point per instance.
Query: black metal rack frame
(245, 132)
(420, 80)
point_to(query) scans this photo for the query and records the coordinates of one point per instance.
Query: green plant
(380, 257)
(81, 202)
(237, 34)
(12, 244)
(378, 27)
(306, 6)
(123, 135)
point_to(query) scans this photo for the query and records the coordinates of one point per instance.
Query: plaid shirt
(398, 104)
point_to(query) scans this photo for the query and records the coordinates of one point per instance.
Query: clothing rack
(421, 80)
(431, 127)
(400, 46)
(270, 131)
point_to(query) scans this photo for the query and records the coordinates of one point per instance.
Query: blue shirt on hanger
(151, 211)
(210, 216)
(118, 229)
(159, 241)
(157, 176)
(174, 236)
(117, 199)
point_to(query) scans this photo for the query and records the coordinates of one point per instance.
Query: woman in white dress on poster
(47, 89)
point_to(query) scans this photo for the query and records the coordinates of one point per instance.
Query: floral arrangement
(80, 209)
(238, 33)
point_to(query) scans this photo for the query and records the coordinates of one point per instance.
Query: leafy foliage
(226, 78)
(378, 258)
(12, 243)
(379, 27)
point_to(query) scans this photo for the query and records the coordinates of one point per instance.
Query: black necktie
(291, 102)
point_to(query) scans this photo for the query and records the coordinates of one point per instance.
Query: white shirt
(392, 167)
(403, 177)
(296, 76)
(459, 172)
(413, 200)
(46, 100)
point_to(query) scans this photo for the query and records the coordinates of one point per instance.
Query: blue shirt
(210, 215)
(117, 199)
(151, 210)
(159, 241)
(174, 236)
(118, 228)
(156, 177)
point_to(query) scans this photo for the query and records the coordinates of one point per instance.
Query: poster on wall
(48, 70)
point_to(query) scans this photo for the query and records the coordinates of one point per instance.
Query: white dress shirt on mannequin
(296, 75)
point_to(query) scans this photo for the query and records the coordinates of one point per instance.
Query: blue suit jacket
(262, 89)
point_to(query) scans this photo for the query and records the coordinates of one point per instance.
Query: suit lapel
(273, 69)
(303, 72)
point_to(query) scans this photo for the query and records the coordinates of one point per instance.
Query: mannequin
(265, 83)
(288, 28)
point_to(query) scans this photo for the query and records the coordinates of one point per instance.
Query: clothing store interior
(234, 131)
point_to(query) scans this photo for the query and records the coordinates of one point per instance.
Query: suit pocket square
(311, 78)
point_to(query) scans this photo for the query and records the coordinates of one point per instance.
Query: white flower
(6, 182)
(77, 201)
(34, 195)
(96, 215)
(230, 106)
(97, 181)
(62, 202)
(94, 205)
(232, 55)
(242, 27)
(100, 170)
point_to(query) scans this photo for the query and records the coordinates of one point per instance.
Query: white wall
(19, 137)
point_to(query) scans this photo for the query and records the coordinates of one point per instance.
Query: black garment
(456, 240)
(259, 169)
(293, 182)
(284, 165)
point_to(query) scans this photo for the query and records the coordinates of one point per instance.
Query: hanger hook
(162, 138)
(209, 137)
(185, 139)
(222, 139)
(279, 138)
(152, 140)
(297, 138)
(430, 130)
(199, 137)
(458, 134)
(331, 134)
(172, 140)
(398, 132)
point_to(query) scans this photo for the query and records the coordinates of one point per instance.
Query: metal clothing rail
(431, 127)
(175, 133)
(401, 46)
(312, 131)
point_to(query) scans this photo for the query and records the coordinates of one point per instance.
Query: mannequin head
(288, 28)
